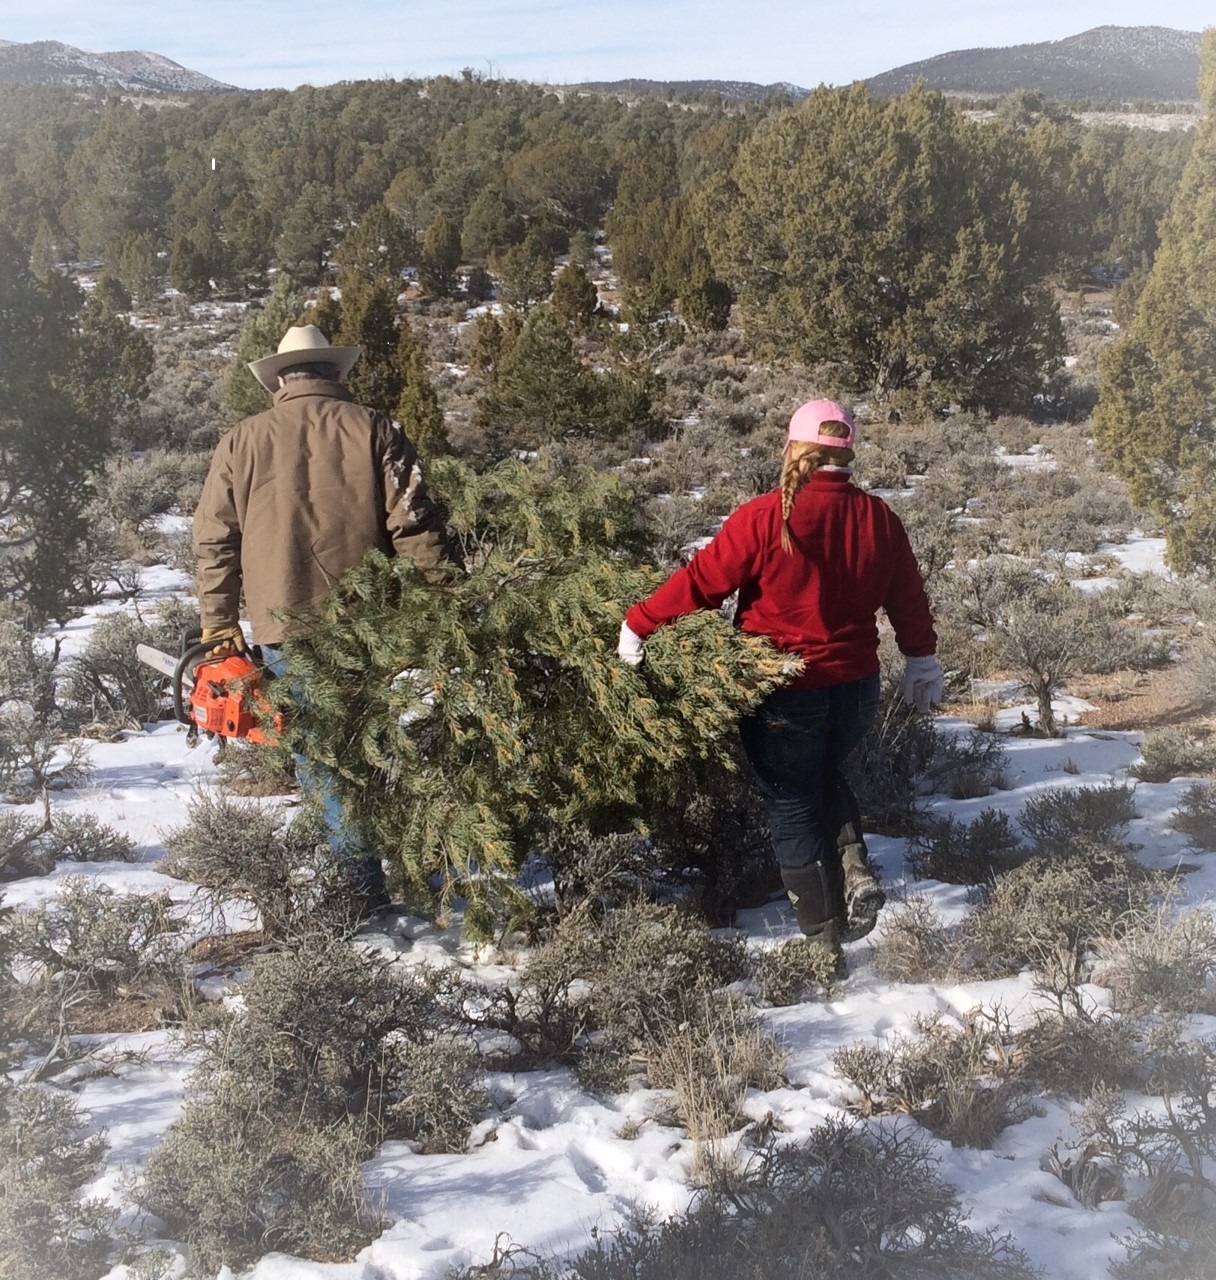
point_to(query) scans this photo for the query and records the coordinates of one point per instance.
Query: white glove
(629, 647)
(923, 682)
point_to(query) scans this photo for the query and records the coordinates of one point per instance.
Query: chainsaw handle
(185, 666)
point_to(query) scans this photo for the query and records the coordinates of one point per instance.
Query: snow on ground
(1139, 554)
(551, 1165)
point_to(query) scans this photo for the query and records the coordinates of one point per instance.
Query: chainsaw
(221, 696)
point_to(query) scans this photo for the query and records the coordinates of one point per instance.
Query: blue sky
(272, 43)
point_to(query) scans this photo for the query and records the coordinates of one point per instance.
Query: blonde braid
(798, 461)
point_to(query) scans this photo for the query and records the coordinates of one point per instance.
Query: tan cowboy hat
(302, 344)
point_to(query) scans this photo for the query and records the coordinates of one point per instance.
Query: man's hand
(224, 642)
(629, 647)
(923, 682)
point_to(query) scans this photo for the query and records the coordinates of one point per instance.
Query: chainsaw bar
(158, 661)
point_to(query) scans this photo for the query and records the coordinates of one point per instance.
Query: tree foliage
(894, 242)
(1156, 419)
(54, 434)
(463, 719)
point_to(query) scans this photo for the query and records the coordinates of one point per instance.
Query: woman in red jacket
(813, 561)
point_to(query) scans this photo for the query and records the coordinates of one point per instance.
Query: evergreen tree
(490, 226)
(524, 274)
(369, 321)
(114, 361)
(51, 444)
(465, 720)
(308, 233)
(189, 270)
(439, 258)
(404, 199)
(418, 409)
(575, 298)
(541, 391)
(138, 267)
(705, 300)
(896, 242)
(377, 245)
(1156, 418)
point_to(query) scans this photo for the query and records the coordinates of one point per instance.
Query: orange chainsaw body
(227, 700)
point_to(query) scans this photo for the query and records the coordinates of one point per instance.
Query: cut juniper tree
(465, 719)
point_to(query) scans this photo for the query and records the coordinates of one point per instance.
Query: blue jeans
(350, 849)
(797, 741)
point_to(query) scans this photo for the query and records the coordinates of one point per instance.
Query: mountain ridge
(1105, 64)
(50, 62)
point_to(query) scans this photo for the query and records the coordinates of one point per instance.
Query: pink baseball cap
(809, 417)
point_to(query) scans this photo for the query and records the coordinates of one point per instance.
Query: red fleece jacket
(851, 558)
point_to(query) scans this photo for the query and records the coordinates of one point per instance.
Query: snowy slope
(551, 1164)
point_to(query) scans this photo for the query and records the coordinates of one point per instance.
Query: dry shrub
(1164, 964)
(33, 726)
(958, 1081)
(709, 1059)
(1057, 819)
(47, 1156)
(968, 765)
(332, 1051)
(1195, 817)
(851, 1203)
(82, 837)
(1166, 1149)
(1049, 912)
(966, 852)
(914, 944)
(886, 769)
(100, 961)
(235, 1184)
(253, 769)
(628, 973)
(332, 1031)
(1174, 753)
(241, 849)
(793, 971)
(107, 683)
(29, 847)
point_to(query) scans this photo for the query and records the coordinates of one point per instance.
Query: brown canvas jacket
(296, 496)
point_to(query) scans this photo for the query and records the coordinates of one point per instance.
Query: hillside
(49, 62)
(1106, 64)
(732, 90)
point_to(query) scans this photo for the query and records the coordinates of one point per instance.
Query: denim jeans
(797, 741)
(351, 850)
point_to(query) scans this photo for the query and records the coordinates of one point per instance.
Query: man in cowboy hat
(294, 498)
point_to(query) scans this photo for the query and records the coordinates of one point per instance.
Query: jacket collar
(312, 387)
(821, 478)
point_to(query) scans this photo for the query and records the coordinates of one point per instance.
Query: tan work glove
(225, 641)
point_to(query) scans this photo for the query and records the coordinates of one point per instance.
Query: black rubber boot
(863, 895)
(809, 890)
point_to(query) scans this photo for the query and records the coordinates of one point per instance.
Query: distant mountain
(734, 90)
(1107, 64)
(49, 62)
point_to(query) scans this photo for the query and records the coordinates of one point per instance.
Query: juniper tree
(1156, 419)
(575, 297)
(439, 258)
(897, 243)
(465, 719)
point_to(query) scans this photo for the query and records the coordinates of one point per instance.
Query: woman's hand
(923, 682)
(630, 646)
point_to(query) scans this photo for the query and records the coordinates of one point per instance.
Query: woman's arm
(718, 569)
